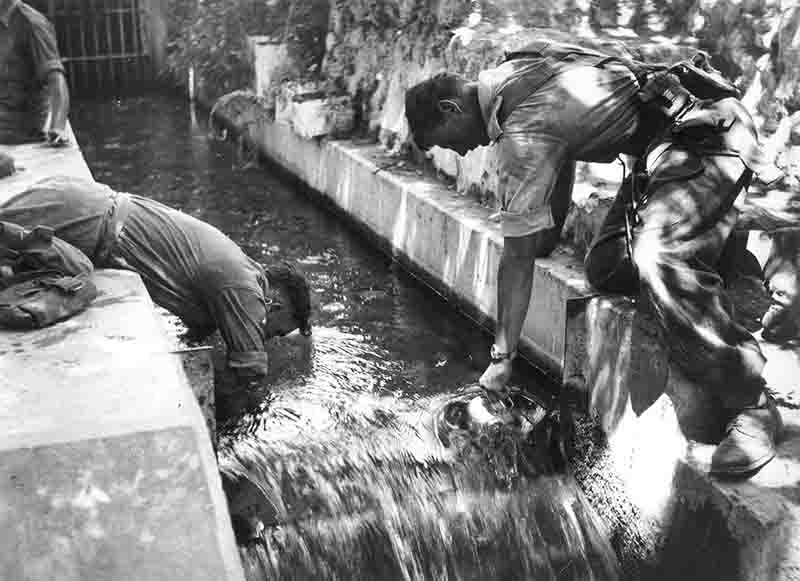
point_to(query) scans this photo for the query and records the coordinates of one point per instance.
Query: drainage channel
(335, 472)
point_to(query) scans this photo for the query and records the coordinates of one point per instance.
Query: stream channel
(351, 482)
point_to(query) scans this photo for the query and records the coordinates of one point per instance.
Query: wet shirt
(574, 111)
(189, 267)
(28, 53)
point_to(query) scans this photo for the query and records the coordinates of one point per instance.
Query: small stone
(794, 135)
(6, 165)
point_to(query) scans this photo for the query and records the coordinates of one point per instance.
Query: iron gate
(101, 43)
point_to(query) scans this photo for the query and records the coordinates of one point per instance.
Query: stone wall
(365, 53)
(375, 50)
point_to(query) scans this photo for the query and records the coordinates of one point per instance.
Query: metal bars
(101, 43)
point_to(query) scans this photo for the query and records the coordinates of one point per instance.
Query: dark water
(336, 467)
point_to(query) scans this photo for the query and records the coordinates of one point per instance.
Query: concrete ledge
(645, 477)
(107, 468)
(107, 471)
(648, 477)
(36, 161)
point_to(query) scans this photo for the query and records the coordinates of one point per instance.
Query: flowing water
(334, 472)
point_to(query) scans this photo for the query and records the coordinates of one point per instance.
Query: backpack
(696, 75)
(36, 299)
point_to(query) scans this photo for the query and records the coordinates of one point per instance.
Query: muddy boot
(749, 442)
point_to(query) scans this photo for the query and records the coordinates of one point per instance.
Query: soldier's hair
(422, 105)
(286, 276)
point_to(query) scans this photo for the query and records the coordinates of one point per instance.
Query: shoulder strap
(556, 50)
(521, 88)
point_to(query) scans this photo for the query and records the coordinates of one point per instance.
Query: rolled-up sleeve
(42, 44)
(238, 313)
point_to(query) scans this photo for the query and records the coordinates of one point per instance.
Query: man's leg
(686, 221)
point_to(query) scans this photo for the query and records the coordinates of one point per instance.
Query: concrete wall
(107, 471)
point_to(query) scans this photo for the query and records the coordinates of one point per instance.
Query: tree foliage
(211, 36)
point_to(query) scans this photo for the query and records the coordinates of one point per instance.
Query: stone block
(328, 116)
(271, 64)
(289, 94)
(106, 468)
(110, 508)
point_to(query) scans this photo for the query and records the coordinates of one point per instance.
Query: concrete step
(106, 468)
(634, 460)
(107, 471)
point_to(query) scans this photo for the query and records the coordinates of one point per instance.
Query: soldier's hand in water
(496, 376)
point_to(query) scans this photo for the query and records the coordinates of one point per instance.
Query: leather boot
(750, 439)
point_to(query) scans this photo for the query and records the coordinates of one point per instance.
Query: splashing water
(381, 498)
(372, 513)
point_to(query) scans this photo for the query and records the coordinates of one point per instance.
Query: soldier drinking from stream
(696, 147)
(189, 267)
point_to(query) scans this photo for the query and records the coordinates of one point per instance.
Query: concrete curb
(106, 466)
(644, 477)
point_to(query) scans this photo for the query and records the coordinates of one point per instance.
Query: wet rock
(312, 112)
(328, 116)
(6, 165)
(240, 109)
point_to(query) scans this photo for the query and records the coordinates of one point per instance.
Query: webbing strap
(523, 87)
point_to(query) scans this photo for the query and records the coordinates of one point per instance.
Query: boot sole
(743, 470)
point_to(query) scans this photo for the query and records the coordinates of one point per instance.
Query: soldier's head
(444, 111)
(289, 301)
